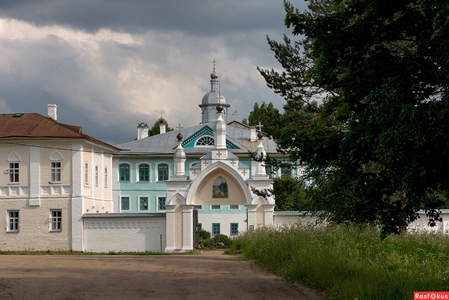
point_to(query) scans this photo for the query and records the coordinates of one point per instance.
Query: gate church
(205, 168)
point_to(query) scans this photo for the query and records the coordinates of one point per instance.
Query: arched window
(205, 141)
(162, 171)
(124, 172)
(144, 172)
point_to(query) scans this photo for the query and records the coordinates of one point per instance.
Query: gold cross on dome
(214, 62)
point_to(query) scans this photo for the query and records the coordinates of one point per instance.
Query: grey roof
(165, 143)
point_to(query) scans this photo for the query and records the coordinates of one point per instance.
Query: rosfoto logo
(431, 295)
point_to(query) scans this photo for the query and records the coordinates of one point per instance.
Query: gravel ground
(209, 275)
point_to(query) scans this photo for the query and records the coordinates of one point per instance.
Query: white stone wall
(34, 225)
(290, 218)
(123, 233)
(225, 221)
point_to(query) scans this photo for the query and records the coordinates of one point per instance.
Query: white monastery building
(63, 190)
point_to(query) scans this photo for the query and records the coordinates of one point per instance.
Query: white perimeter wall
(125, 233)
(290, 218)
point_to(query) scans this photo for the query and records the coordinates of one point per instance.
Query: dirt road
(205, 276)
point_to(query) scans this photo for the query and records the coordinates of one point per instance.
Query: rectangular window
(233, 207)
(199, 226)
(162, 170)
(124, 172)
(13, 221)
(55, 171)
(215, 228)
(143, 203)
(125, 203)
(56, 220)
(198, 207)
(144, 172)
(105, 177)
(161, 203)
(14, 172)
(96, 175)
(86, 173)
(215, 207)
(234, 229)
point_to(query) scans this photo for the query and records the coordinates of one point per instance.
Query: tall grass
(351, 262)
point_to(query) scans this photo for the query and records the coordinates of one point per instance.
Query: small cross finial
(236, 113)
(179, 127)
(214, 62)
(260, 126)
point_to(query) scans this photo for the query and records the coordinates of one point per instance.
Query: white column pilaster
(34, 177)
(169, 228)
(187, 230)
(251, 216)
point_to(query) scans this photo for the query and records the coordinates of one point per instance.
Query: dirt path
(206, 276)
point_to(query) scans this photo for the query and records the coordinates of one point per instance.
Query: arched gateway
(221, 180)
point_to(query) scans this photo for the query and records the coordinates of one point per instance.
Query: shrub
(222, 238)
(202, 235)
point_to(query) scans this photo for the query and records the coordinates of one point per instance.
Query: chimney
(142, 131)
(52, 111)
(253, 134)
(162, 128)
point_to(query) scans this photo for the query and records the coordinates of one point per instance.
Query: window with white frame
(14, 172)
(160, 203)
(233, 207)
(215, 207)
(124, 172)
(55, 171)
(105, 177)
(13, 221)
(199, 226)
(198, 207)
(86, 173)
(14, 167)
(162, 171)
(96, 175)
(56, 220)
(205, 141)
(124, 203)
(55, 167)
(144, 172)
(143, 203)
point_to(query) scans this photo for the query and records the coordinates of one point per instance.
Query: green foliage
(268, 116)
(205, 240)
(222, 238)
(351, 262)
(376, 144)
(290, 194)
(202, 234)
(156, 129)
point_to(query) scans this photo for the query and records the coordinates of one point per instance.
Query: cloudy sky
(111, 64)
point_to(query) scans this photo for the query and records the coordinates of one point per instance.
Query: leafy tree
(290, 194)
(376, 147)
(156, 129)
(268, 116)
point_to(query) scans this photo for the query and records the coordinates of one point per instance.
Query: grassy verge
(351, 262)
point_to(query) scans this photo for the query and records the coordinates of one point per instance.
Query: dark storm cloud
(110, 64)
(198, 17)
